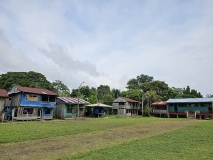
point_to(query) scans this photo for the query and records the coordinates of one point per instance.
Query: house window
(51, 98)
(204, 104)
(44, 98)
(121, 103)
(47, 111)
(69, 109)
(31, 97)
(193, 105)
(171, 105)
(182, 104)
(28, 111)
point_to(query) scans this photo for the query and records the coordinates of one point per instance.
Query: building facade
(31, 103)
(159, 109)
(66, 107)
(125, 107)
(194, 107)
(3, 97)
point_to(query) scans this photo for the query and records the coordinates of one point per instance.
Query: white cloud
(109, 42)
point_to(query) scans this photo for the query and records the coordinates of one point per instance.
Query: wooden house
(125, 106)
(190, 107)
(66, 107)
(159, 109)
(31, 103)
(3, 97)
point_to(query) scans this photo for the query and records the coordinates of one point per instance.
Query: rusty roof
(123, 99)
(32, 90)
(73, 100)
(3, 93)
(159, 103)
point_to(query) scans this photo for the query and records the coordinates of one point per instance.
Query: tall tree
(137, 83)
(86, 93)
(103, 90)
(188, 93)
(27, 79)
(152, 97)
(108, 99)
(133, 94)
(74, 93)
(209, 96)
(60, 88)
(116, 93)
(85, 90)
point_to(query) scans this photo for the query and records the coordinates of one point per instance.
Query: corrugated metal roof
(122, 99)
(73, 100)
(17, 89)
(159, 103)
(190, 100)
(99, 105)
(3, 93)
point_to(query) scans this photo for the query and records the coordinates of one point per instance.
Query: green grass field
(108, 138)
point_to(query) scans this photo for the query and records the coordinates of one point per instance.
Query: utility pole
(78, 99)
(142, 99)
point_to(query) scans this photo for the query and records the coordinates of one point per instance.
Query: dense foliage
(60, 88)
(27, 79)
(143, 88)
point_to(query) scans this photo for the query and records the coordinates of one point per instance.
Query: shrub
(147, 111)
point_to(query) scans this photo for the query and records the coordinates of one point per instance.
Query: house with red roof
(125, 107)
(29, 103)
(3, 97)
(159, 109)
(66, 107)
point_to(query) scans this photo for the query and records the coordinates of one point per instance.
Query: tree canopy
(142, 86)
(27, 79)
(60, 88)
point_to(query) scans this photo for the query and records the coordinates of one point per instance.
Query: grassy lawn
(31, 130)
(192, 142)
(108, 138)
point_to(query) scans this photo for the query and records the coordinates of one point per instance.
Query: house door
(210, 109)
(175, 107)
(40, 113)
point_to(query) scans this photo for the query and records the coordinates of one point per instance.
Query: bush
(147, 111)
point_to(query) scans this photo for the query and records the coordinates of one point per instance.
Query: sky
(108, 42)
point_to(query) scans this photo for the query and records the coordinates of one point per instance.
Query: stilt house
(193, 107)
(3, 97)
(66, 107)
(125, 106)
(31, 103)
(159, 109)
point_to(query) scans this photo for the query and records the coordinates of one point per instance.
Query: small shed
(3, 97)
(98, 109)
(159, 109)
(66, 107)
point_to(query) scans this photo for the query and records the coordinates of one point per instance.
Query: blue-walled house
(31, 103)
(196, 107)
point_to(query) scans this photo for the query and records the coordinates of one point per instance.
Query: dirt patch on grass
(62, 146)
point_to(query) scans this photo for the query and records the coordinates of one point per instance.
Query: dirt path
(53, 148)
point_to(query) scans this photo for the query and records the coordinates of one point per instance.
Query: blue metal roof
(190, 100)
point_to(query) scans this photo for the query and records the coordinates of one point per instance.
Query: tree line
(142, 88)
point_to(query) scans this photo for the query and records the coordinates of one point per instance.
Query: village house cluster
(25, 103)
